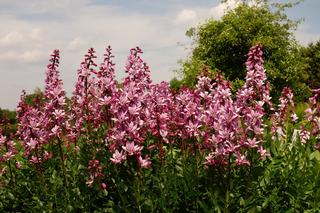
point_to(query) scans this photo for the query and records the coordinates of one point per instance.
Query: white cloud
(31, 29)
(306, 38)
(186, 16)
(190, 17)
(76, 44)
(35, 33)
(12, 38)
(30, 56)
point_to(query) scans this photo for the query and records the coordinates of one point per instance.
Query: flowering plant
(117, 146)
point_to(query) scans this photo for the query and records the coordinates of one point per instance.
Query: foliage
(312, 55)
(223, 44)
(8, 122)
(143, 147)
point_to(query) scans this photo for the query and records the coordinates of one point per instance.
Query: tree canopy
(223, 44)
(312, 56)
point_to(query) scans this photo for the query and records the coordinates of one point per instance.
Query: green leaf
(315, 155)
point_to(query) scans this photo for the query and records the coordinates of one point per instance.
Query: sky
(31, 29)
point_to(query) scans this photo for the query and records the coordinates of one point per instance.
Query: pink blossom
(144, 163)
(103, 185)
(35, 160)
(8, 155)
(304, 136)
(242, 160)
(263, 152)
(32, 143)
(252, 143)
(18, 165)
(209, 160)
(118, 157)
(132, 149)
(317, 146)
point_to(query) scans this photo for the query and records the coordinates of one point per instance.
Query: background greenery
(223, 44)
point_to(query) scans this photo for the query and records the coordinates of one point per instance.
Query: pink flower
(132, 149)
(241, 160)
(317, 146)
(32, 143)
(252, 143)
(90, 181)
(35, 160)
(3, 139)
(118, 157)
(193, 128)
(210, 160)
(56, 130)
(294, 117)
(144, 163)
(3, 171)
(47, 155)
(18, 165)
(263, 152)
(8, 155)
(103, 186)
(304, 136)
(163, 133)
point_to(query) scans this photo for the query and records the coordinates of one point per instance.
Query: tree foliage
(8, 122)
(223, 44)
(312, 55)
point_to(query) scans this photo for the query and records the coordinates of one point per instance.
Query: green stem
(138, 185)
(227, 195)
(63, 166)
(123, 200)
(9, 164)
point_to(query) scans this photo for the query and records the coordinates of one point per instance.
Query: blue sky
(31, 29)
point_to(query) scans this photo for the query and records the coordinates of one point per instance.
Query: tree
(312, 55)
(223, 44)
(8, 122)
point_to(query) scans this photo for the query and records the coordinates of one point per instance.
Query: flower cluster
(7, 152)
(128, 108)
(124, 122)
(43, 120)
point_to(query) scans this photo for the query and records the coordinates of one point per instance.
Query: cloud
(12, 38)
(32, 56)
(29, 56)
(76, 44)
(306, 38)
(186, 16)
(217, 11)
(189, 17)
(31, 29)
